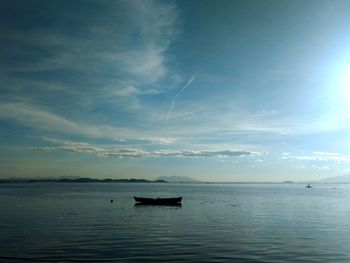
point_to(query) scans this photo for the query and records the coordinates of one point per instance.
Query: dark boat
(308, 186)
(158, 201)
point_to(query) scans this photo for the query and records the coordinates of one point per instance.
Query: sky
(216, 90)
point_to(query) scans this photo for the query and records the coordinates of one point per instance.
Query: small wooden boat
(308, 186)
(158, 201)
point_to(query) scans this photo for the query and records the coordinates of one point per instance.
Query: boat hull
(158, 201)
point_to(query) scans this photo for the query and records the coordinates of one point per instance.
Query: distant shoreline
(79, 180)
(92, 180)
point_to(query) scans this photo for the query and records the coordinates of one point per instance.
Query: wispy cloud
(140, 153)
(205, 153)
(173, 103)
(123, 46)
(43, 120)
(319, 157)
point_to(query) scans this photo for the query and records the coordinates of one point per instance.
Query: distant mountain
(337, 179)
(178, 179)
(75, 180)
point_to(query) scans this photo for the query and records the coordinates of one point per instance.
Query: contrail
(173, 103)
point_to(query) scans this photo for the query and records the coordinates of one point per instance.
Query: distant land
(178, 179)
(75, 180)
(337, 179)
(162, 179)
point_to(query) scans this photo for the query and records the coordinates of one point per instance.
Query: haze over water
(216, 223)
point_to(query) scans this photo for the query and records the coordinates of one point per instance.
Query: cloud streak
(43, 120)
(103, 151)
(137, 153)
(173, 103)
(122, 46)
(319, 157)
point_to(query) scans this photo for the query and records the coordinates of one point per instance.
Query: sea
(99, 222)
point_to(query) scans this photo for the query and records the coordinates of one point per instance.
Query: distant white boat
(308, 186)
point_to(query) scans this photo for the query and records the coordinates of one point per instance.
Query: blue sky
(215, 90)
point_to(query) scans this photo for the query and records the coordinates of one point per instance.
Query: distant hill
(44, 178)
(178, 179)
(76, 180)
(337, 179)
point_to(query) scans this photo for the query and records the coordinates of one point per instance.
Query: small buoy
(111, 200)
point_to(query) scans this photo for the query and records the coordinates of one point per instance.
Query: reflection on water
(162, 205)
(215, 223)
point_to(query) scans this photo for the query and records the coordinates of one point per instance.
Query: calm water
(216, 223)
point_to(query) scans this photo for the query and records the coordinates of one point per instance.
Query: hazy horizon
(213, 90)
